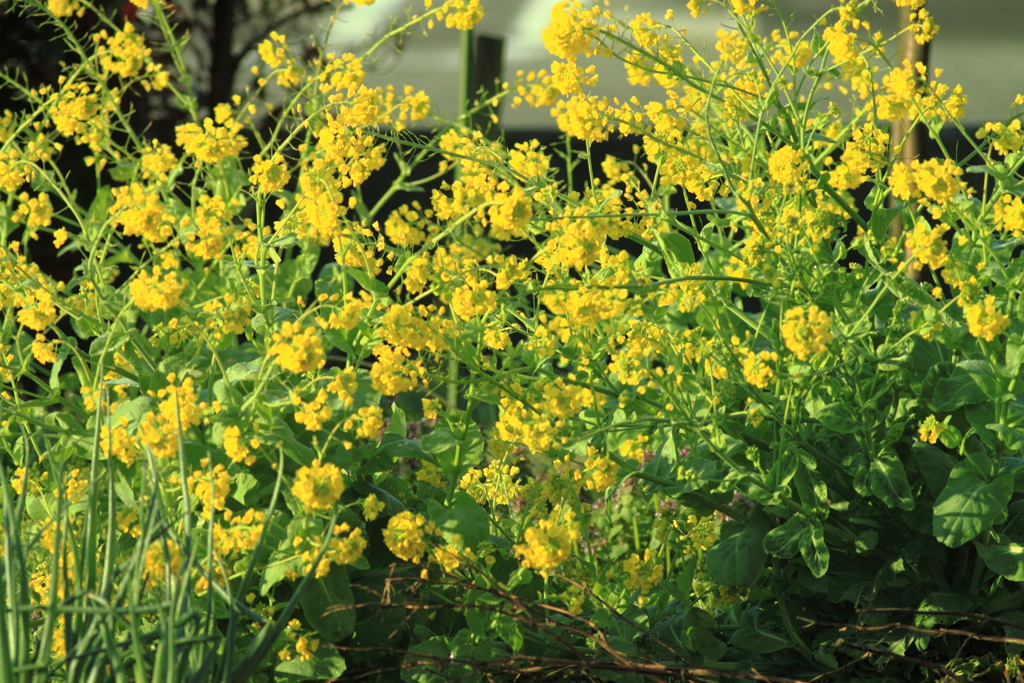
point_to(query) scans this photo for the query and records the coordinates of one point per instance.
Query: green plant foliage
(699, 411)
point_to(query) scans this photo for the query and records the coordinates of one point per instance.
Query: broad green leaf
(799, 533)
(321, 667)
(277, 571)
(247, 371)
(133, 410)
(934, 464)
(783, 471)
(464, 517)
(322, 595)
(738, 559)
(959, 389)
(648, 263)
(62, 355)
(888, 481)
(678, 252)
(295, 450)
(400, 447)
(397, 424)
(244, 482)
(123, 489)
(1005, 559)
(984, 376)
(969, 505)
(1014, 526)
(757, 642)
(703, 642)
(454, 454)
(366, 281)
(880, 221)
(836, 417)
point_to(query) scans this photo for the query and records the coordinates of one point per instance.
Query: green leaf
(454, 455)
(959, 389)
(984, 376)
(317, 669)
(397, 424)
(276, 572)
(837, 418)
(295, 450)
(294, 275)
(1006, 559)
(678, 252)
(783, 471)
(124, 490)
(244, 482)
(738, 559)
(133, 410)
(757, 642)
(881, 219)
(934, 464)
(464, 517)
(248, 371)
(366, 281)
(400, 447)
(321, 595)
(802, 534)
(888, 481)
(703, 642)
(969, 505)
(62, 355)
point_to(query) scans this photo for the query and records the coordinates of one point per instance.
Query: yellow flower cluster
(984, 320)
(372, 507)
(549, 542)
(212, 229)
(788, 168)
(158, 289)
(641, 575)
(406, 535)
(312, 414)
(211, 488)
(297, 349)
(756, 368)
(806, 332)
(345, 547)
(930, 429)
(217, 139)
(37, 309)
(163, 559)
(117, 442)
(1004, 138)
(395, 371)
(495, 484)
(927, 246)
(269, 175)
(241, 534)
(1009, 214)
(177, 412)
(317, 486)
(140, 212)
(236, 448)
(36, 212)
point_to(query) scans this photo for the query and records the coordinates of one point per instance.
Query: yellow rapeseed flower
(298, 350)
(318, 486)
(549, 542)
(405, 535)
(806, 332)
(984, 321)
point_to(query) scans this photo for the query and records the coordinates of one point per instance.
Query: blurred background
(980, 45)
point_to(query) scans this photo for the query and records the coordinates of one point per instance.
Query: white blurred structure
(979, 46)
